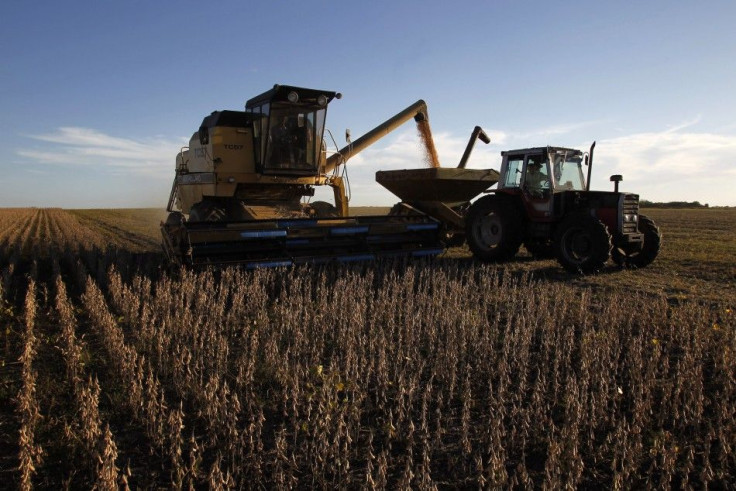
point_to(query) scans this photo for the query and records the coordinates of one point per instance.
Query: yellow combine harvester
(242, 188)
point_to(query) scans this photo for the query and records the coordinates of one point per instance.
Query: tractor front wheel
(582, 244)
(641, 256)
(493, 229)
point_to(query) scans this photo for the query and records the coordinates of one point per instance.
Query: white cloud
(674, 164)
(85, 147)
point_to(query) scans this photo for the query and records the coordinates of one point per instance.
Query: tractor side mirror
(616, 178)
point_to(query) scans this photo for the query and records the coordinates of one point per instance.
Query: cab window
(513, 172)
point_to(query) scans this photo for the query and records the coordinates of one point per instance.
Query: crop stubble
(394, 374)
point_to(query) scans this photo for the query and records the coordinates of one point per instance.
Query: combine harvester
(241, 189)
(243, 179)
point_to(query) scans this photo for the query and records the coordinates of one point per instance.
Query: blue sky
(97, 97)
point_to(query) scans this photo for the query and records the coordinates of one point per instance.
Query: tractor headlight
(293, 97)
(322, 100)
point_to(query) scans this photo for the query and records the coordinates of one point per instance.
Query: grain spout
(430, 152)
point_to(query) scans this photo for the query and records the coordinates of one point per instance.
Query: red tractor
(543, 201)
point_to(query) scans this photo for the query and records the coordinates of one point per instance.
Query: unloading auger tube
(418, 111)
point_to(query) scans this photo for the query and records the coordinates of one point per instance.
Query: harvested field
(446, 374)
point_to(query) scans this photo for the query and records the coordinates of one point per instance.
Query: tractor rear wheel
(582, 243)
(493, 229)
(206, 211)
(644, 255)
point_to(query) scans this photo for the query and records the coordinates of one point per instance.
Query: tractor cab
(543, 170)
(538, 174)
(288, 130)
(544, 201)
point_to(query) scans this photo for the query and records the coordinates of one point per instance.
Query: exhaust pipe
(590, 166)
(477, 134)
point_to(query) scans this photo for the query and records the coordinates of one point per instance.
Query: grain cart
(241, 190)
(543, 200)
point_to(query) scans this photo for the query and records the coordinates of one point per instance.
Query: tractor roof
(280, 93)
(536, 150)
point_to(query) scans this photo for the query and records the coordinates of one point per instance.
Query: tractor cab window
(536, 179)
(513, 172)
(568, 170)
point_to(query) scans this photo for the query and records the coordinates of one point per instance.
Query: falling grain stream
(430, 152)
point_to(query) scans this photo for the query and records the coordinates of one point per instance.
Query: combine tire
(643, 256)
(206, 211)
(493, 229)
(582, 244)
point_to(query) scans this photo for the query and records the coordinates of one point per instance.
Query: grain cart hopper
(544, 201)
(441, 192)
(238, 191)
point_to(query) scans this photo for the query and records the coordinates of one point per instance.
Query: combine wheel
(582, 243)
(206, 211)
(644, 255)
(493, 229)
(236, 211)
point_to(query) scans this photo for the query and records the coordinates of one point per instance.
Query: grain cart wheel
(582, 243)
(644, 255)
(402, 210)
(206, 211)
(323, 209)
(493, 229)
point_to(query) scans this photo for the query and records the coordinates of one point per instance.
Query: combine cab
(242, 189)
